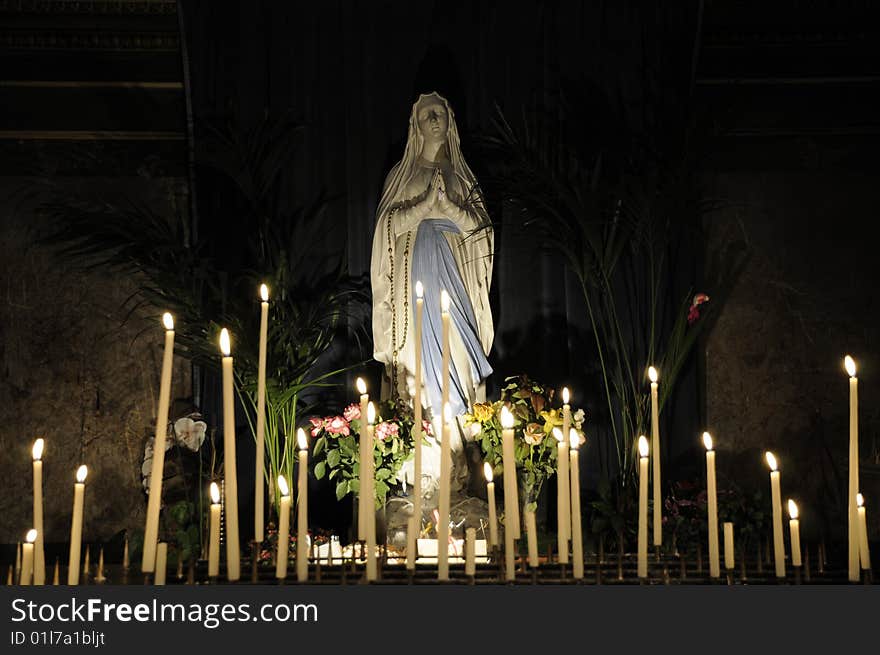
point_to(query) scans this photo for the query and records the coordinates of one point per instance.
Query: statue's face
(433, 119)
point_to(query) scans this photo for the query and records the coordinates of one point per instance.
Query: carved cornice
(118, 7)
(89, 40)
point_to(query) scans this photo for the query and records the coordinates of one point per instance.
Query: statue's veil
(401, 174)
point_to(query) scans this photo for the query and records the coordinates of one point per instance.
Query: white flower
(578, 418)
(190, 433)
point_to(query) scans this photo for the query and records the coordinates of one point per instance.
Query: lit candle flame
(558, 434)
(37, 450)
(444, 300)
(574, 439)
(168, 321)
(707, 440)
(643, 446)
(264, 293)
(81, 473)
(792, 509)
(361, 386)
(771, 460)
(31, 536)
(652, 374)
(487, 471)
(371, 413)
(564, 395)
(224, 342)
(850, 365)
(301, 440)
(282, 486)
(215, 493)
(860, 500)
(420, 290)
(506, 418)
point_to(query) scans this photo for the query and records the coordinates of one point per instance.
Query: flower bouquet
(336, 453)
(535, 447)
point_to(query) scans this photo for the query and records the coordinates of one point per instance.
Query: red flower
(337, 425)
(694, 312)
(352, 412)
(317, 426)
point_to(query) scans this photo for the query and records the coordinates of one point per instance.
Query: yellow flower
(468, 419)
(552, 419)
(483, 412)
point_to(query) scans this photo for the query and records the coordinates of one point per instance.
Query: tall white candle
(776, 500)
(39, 552)
(27, 558)
(852, 519)
(259, 481)
(417, 408)
(563, 496)
(864, 551)
(563, 488)
(214, 533)
(282, 550)
(532, 537)
(795, 533)
(444, 317)
(154, 501)
(369, 491)
(443, 521)
(712, 495)
(230, 477)
(79, 492)
(362, 456)
(655, 458)
(302, 510)
(643, 509)
(577, 537)
(161, 563)
(493, 515)
(508, 459)
(470, 551)
(729, 556)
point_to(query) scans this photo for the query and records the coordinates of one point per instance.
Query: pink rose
(352, 412)
(317, 426)
(385, 430)
(337, 425)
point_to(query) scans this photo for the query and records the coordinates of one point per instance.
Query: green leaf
(333, 458)
(320, 469)
(342, 488)
(319, 446)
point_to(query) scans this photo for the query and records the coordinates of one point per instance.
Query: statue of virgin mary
(432, 227)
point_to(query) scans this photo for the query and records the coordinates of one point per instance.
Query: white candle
(776, 499)
(655, 459)
(125, 560)
(444, 317)
(729, 557)
(563, 493)
(230, 477)
(563, 501)
(362, 456)
(417, 408)
(99, 576)
(259, 481)
(411, 537)
(282, 550)
(643, 509)
(864, 552)
(302, 510)
(508, 458)
(214, 533)
(79, 492)
(39, 552)
(577, 537)
(795, 533)
(154, 500)
(852, 520)
(712, 494)
(369, 491)
(470, 551)
(493, 515)
(443, 521)
(27, 558)
(532, 538)
(161, 562)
